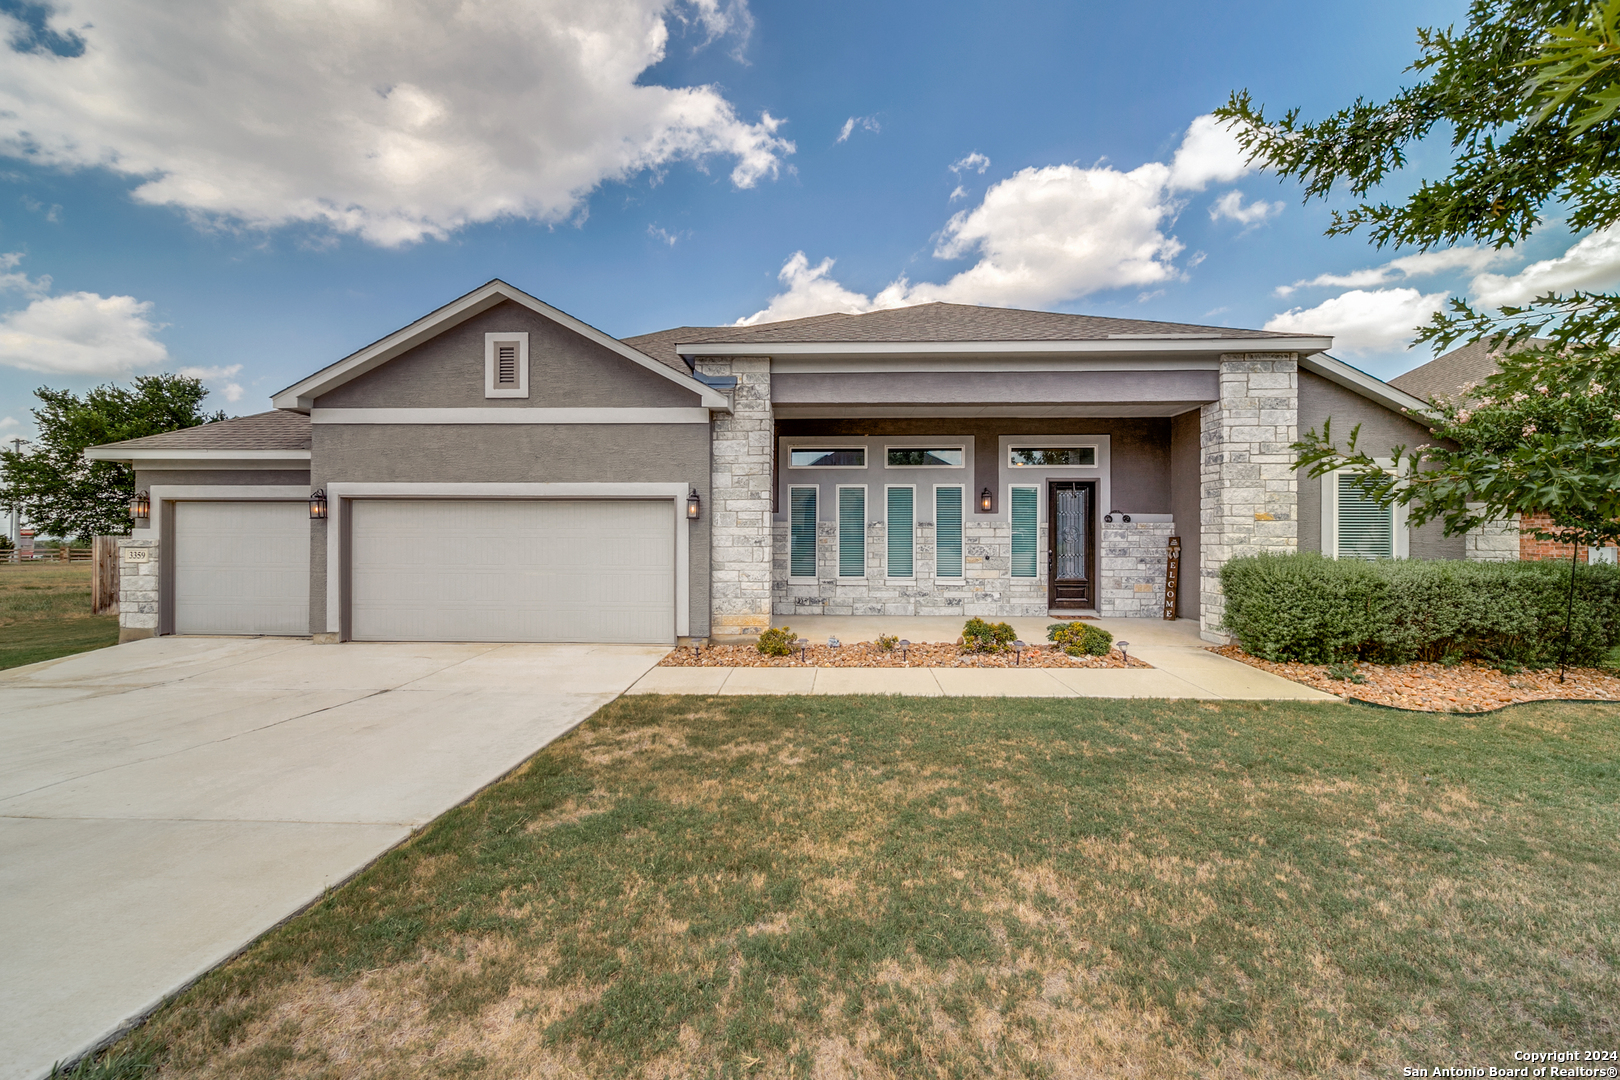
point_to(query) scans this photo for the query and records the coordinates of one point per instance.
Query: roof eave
(300, 396)
(131, 455)
(1114, 346)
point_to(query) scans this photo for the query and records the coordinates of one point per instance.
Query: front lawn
(809, 886)
(45, 613)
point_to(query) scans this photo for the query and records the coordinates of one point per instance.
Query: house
(500, 471)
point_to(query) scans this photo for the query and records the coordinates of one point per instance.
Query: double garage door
(437, 569)
(589, 570)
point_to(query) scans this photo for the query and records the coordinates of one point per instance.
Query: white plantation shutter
(1366, 528)
(901, 522)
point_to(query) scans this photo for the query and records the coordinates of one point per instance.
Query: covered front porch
(950, 517)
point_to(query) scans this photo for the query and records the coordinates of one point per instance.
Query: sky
(248, 190)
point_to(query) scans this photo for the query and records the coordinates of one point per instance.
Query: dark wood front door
(1071, 558)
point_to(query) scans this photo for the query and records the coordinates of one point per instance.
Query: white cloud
(959, 192)
(8, 422)
(1255, 213)
(974, 162)
(14, 280)
(1468, 259)
(865, 123)
(394, 122)
(809, 291)
(1042, 236)
(1208, 151)
(663, 235)
(81, 334)
(1363, 321)
(222, 379)
(1592, 263)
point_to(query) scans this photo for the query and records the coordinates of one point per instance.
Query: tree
(61, 492)
(1529, 92)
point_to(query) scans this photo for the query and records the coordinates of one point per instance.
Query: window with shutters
(900, 520)
(802, 532)
(1025, 531)
(1357, 526)
(851, 532)
(506, 365)
(948, 531)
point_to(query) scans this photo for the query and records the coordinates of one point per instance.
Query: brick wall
(1530, 547)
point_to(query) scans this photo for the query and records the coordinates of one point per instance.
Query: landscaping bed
(867, 654)
(1464, 687)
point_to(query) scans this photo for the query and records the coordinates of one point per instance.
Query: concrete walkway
(1182, 667)
(164, 802)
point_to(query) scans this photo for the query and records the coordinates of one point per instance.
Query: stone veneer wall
(740, 522)
(1131, 568)
(1249, 499)
(1495, 541)
(137, 592)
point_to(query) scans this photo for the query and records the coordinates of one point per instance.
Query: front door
(1071, 562)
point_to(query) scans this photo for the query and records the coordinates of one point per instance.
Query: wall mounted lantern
(317, 505)
(140, 507)
(986, 502)
(693, 503)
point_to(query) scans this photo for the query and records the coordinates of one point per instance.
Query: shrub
(981, 636)
(887, 642)
(1314, 609)
(777, 641)
(1078, 638)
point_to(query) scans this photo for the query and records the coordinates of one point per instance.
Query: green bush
(1078, 638)
(1318, 610)
(777, 641)
(981, 636)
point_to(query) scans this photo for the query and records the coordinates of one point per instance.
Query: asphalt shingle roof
(933, 322)
(1445, 376)
(274, 430)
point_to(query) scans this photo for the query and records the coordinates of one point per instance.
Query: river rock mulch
(1466, 687)
(866, 654)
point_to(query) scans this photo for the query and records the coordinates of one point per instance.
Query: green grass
(805, 886)
(45, 613)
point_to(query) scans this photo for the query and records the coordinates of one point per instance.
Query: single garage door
(594, 570)
(241, 568)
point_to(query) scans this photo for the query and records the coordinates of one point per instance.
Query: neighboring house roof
(1451, 374)
(949, 323)
(276, 434)
(302, 394)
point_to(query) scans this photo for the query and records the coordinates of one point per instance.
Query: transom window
(1051, 457)
(847, 457)
(924, 457)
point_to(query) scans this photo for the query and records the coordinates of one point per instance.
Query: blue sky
(253, 197)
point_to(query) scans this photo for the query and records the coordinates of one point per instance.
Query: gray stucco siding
(1381, 431)
(1173, 390)
(565, 371)
(519, 453)
(150, 478)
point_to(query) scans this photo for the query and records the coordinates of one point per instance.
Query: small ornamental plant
(777, 641)
(981, 636)
(1080, 639)
(887, 642)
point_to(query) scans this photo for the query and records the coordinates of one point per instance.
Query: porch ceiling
(997, 393)
(1032, 409)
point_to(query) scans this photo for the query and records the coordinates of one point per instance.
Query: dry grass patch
(866, 887)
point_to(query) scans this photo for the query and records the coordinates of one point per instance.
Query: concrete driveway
(164, 802)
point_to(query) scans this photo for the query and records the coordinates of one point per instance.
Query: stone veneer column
(1494, 541)
(137, 591)
(740, 501)
(1249, 492)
